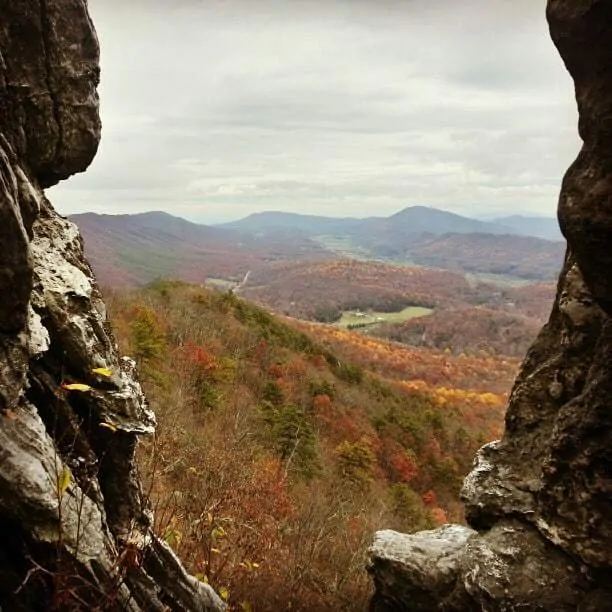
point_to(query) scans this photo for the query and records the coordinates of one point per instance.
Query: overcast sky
(213, 109)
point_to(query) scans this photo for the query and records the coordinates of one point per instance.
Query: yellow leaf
(246, 606)
(256, 565)
(224, 593)
(63, 481)
(76, 387)
(108, 426)
(103, 372)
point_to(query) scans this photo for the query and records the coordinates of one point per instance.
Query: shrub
(349, 372)
(292, 437)
(408, 507)
(147, 335)
(356, 462)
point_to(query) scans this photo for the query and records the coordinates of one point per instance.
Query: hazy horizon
(272, 211)
(215, 110)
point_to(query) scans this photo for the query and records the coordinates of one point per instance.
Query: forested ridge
(283, 445)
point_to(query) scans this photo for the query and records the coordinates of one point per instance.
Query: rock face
(540, 499)
(75, 532)
(415, 572)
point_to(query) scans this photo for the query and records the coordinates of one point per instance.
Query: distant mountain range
(135, 249)
(538, 227)
(411, 220)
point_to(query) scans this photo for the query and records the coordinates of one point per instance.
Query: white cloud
(217, 109)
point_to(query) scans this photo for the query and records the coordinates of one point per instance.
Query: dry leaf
(63, 481)
(76, 387)
(103, 372)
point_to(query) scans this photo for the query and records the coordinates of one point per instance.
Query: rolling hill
(131, 250)
(427, 220)
(524, 247)
(413, 219)
(417, 306)
(272, 221)
(522, 257)
(321, 290)
(135, 249)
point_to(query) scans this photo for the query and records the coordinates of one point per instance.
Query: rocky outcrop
(540, 499)
(415, 572)
(75, 531)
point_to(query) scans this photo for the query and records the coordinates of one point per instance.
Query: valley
(282, 445)
(309, 392)
(466, 275)
(406, 411)
(133, 250)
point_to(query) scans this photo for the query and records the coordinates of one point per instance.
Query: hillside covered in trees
(466, 316)
(322, 290)
(283, 445)
(132, 250)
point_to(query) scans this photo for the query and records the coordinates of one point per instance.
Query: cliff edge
(539, 501)
(75, 530)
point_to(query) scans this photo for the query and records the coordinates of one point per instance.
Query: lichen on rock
(70, 499)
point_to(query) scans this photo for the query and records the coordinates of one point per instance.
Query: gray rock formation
(541, 498)
(75, 533)
(415, 572)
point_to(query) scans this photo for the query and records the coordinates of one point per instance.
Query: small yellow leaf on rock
(76, 387)
(103, 372)
(108, 426)
(63, 481)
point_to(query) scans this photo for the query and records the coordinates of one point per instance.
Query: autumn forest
(284, 444)
(309, 393)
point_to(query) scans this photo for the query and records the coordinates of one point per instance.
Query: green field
(369, 318)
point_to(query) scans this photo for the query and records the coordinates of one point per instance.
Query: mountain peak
(426, 219)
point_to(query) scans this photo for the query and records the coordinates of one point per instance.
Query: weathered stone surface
(541, 497)
(415, 572)
(49, 72)
(512, 567)
(75, 531)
